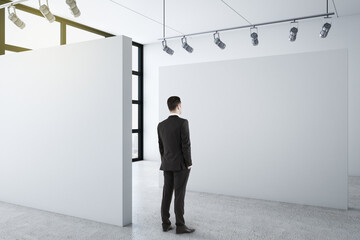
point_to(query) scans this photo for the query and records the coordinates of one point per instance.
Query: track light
(14, 18)
(254, 36)
(167, 49)
(186, 46)
(44, 9)
(293, 31)
(218, 42)
(325, 30)
(73, 8)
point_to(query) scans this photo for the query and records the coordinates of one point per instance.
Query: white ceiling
(142, 19)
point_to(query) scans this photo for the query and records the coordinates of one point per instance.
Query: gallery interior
(270, 89)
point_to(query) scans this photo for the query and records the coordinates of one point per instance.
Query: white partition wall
(65, 130)
(272, 128)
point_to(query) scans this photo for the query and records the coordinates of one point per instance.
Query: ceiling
(142, 19)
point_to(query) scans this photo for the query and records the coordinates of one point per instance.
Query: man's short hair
(173, 102)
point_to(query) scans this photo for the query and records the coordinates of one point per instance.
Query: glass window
(135, 153)
(135, 111)
(74, 35)
(135, 86)
(135, 57)
(38, 32)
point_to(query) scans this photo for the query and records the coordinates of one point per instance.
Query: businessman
(174, 146)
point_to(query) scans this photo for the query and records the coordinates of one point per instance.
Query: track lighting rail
(251, 26)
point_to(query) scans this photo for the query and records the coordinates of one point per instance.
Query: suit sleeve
(185, 143)
(161, 146)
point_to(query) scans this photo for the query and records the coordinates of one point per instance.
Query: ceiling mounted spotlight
(14, 18)
(293, 31)
(254, 36)
(44, 9)
(218, 42)
(73, 8)
(325, 29)
(167, 49)
(186, 46)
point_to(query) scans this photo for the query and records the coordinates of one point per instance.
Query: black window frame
(65, 22)
(140, 102)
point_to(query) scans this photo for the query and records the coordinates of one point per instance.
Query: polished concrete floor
(214, 217)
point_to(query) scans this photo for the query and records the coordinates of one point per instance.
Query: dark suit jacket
(174, 144)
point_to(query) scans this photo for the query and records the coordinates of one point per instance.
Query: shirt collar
(174, 114)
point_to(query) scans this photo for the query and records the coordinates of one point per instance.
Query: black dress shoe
(184, 229)
(167, 228)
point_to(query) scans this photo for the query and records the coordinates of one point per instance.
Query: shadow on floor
(354, 193)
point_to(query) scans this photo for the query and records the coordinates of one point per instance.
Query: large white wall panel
(273, 41)
(65, 130)
(273, 128)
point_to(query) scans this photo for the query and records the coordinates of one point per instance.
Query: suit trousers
(174, 180)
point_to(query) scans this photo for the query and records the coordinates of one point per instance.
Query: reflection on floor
(354, 193)
(214, 217)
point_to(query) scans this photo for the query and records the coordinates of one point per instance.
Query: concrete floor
(214, 217)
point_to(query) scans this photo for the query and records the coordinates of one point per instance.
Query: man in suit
(174, 146)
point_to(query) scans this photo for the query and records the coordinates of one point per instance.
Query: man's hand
(189, 167)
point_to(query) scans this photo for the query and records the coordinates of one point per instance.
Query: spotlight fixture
(167, 49)
(293, 31)
(325, 30)
(218, 42)
(186, 46)
(254, 36)
(14, 18)
(73, 8)
(44, 9)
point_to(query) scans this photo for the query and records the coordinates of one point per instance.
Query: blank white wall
(273, 41)
(266, 128)
(65, 130)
